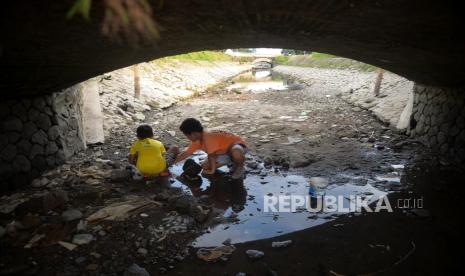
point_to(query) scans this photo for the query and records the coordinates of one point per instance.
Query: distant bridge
(262, 63)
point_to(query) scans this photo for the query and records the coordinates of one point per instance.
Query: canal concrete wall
(393, 106)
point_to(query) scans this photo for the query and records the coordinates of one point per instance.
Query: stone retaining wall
(438, 119)
(38, 133)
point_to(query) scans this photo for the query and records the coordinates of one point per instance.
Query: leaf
(80, 7)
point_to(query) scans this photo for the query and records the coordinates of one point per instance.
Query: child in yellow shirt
(150, 156)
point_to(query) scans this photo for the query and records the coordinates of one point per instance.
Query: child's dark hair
(191, 125)
(144, 131)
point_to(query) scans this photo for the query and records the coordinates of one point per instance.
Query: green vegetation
(203, 55)
(321, 60)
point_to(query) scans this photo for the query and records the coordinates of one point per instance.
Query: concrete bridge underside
(42, 51)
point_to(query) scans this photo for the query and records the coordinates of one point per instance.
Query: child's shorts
(226, 159)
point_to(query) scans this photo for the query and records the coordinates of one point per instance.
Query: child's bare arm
(181, 156)
(211, 161)
(132, 159)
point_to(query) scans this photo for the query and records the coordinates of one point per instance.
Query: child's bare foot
(165, 173)
(237, 172)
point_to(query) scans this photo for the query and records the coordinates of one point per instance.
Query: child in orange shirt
(222, 148)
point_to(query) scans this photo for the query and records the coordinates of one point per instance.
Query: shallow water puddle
(258, 81)
(240, 207)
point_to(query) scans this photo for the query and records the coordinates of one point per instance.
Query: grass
(321, 60)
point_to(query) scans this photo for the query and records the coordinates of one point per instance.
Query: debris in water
(254, 254)
(213, 254)
(119, 210)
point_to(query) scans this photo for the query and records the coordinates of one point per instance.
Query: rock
(40, 137)
(21, 164)
(2, 231)
(29, 128)
(268, 161)
(39, 102)
(54, 199)
(82, 226)
(227, 242)
(80, 260)
(43, 121)
(120, 175)
(300, 163)
(67, 245)
(13, 137)
(51, 148)
(53, 133)
(138, 117)
(24, 146)
(8, 153)
(71, 214)
(12, 124)
(81, 239)
(39, 182)
(135, 270)
(254, 254)
(36, 150)
(279, 244)
(142, 251)
(182, 204)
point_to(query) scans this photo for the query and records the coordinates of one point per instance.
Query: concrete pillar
(92, 117)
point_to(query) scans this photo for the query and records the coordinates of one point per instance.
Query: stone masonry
(38, 133)
(438, 119)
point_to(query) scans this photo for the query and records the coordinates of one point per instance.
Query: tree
(135, 69)
(379, 79)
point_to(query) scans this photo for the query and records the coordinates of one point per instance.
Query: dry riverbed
(87, 218)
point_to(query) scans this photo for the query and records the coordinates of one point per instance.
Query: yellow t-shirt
(150, 158)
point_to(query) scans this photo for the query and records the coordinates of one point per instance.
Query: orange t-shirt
(217, 142)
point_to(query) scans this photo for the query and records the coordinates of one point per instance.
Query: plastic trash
(254, 254)
(278, 244)
(317, 184)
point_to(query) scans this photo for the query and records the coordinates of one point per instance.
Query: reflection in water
(258, 81)
(261, 73)
(241, 204)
